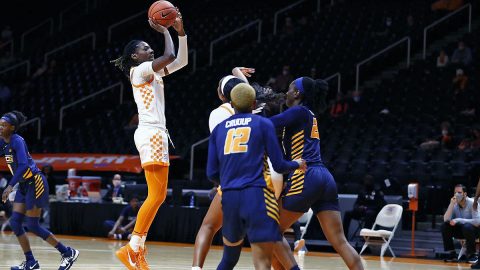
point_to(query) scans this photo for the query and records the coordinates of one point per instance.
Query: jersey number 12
(237, 140)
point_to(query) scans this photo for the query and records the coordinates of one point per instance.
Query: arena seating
(353, 145)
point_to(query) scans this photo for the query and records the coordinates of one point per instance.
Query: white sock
(142, 241)
(196, 268)
(135, 242)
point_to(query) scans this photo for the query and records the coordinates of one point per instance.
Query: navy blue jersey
(18, 159)
(300, 134)
(128, 214)
(237, 149)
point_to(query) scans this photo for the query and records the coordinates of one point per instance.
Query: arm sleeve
(181, 60)
(213, 172)
(288, 118)
(22, 161)
(274, 152)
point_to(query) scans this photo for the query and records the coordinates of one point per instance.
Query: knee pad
(16, 221)
(230, 257)
(33, 226)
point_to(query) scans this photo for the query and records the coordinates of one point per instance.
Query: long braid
(125, 62)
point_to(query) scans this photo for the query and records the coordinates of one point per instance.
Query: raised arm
(289, 117)
(182, 57)
(448, 214)
(168, 56)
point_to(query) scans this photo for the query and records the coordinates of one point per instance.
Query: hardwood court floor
(99, 254)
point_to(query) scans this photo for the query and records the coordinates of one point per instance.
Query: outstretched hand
(247, 71)
(302, 164)
(157, 27)
(6, 192)
(178, 24)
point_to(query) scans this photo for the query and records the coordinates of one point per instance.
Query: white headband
(224, 81)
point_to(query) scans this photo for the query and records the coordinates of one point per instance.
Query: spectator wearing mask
(369, 202)
(462, 55)
(460, 221)
(115, 190)
(442, 59)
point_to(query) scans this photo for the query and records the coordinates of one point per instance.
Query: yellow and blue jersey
(300, 134)
(19, 161)
(237, 150)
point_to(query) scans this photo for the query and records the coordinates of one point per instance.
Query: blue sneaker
(68, 258)
(30, 265)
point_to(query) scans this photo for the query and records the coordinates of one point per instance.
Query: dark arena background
(401, 126)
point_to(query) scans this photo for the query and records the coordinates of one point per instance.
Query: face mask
(285, 72)
(356, 99)
(444, 132)
(459, 196)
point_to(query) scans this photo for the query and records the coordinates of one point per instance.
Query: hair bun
(21, 118)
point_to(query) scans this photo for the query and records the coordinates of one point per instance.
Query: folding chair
(389, 217)
(463, 249)
(305, 220)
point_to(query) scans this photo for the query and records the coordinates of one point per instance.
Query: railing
(192, 154)
(194, 59)
(407, 39)
(39, 126)
(91, 35)
(62, 13)
(22, 40)
(275, 17)
(10, 42)
(246, 26)
(111, 27)
(339, 80)
(425, 31)
(26, 62)
(62, 109)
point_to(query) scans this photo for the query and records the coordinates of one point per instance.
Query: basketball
(162, 12)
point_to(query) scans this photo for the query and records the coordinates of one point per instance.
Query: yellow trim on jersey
(271, 205)
(27, 174)
(143, 84)
(266, 173)
(39, 187)
(297, 181)
(297, 145)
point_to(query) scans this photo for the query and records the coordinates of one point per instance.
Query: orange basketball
(162, 12)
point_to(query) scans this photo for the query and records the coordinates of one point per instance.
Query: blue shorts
(33, 192)
(252, 211)
(314, 189)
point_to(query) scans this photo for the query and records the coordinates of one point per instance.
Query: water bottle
(192, 201)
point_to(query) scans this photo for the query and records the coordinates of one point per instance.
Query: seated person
(123, 227)
(115, 190)
(368, 204)
(460, 221)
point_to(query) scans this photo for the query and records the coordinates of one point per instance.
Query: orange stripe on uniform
(143, 84)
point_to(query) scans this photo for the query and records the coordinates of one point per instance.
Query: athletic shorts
(33, 192)
(152, 145)
(251, 211)
(314, 189)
